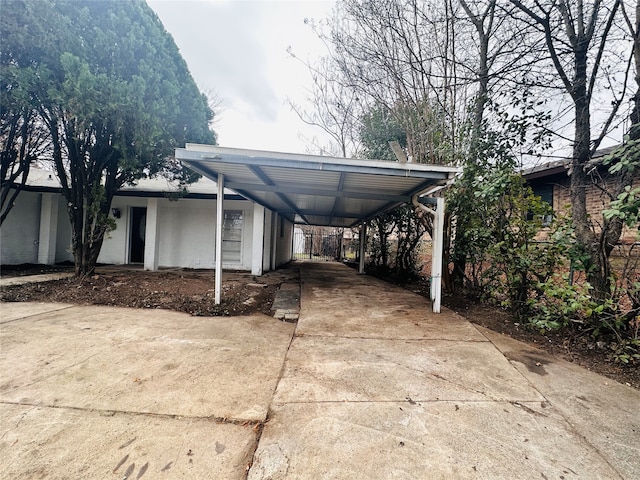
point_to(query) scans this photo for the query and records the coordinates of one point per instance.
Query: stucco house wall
(186, 232)
(284, 240)
(19, 235)
(37, 230)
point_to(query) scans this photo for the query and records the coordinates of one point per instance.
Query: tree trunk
(598, 263)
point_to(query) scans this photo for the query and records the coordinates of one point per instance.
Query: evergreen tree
(115, 97)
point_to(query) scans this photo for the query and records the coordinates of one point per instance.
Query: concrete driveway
(368, 385)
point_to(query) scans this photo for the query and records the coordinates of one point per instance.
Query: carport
(323, 191)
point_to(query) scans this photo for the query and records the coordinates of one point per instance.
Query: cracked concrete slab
(434, 440)
(145, 361)
(604, 411)
(91, 392)
(329, 369)
(10, 311)
(369, 384)
(45, 442)
(355, 306)
(376, 386)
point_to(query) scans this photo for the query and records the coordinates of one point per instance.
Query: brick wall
(597, 201)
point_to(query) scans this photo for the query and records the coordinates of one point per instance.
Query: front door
(138, 226)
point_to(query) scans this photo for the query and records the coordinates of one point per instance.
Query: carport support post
(363, 242)
(274, 240)
(257, 247)
(436, 257)
(219, 227)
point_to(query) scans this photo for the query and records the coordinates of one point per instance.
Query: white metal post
(363, 242)
(275, 222)
(436, 257)
(257, 246)
(219, 227)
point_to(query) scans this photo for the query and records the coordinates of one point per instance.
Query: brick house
(551, 182)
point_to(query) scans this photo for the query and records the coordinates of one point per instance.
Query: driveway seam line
(37, 314)
(260, 426)
(220, 420)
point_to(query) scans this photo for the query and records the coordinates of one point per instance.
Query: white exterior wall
(19, 235)
(48, 230)
(63, 238)
(284, 241)
(247, 232)
(115, 248)
(186, 232)
(266, 247)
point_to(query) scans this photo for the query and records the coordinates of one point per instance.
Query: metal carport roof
(312, 189)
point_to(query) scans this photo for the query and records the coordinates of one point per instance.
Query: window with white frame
(232, 236)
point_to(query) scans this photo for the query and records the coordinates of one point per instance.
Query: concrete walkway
(368, 385)
(45, 277)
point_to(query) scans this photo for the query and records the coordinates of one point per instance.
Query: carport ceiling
(316, 190)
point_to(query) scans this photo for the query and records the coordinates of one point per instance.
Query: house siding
(185, 232)
(284, 241)
(20, 232)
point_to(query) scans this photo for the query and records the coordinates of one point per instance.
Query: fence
(316, 246)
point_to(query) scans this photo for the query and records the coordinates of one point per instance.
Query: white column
(363, 243)
(436, 255)
(151, 237)
(48, 229)
(268, 238)
(219, 227)
(257, 250)
(275, 235)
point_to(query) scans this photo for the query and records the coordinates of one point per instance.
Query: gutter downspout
(437, 248)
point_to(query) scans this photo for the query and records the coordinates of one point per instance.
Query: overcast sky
(237, 50)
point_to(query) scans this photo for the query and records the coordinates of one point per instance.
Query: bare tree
(387, 52)
(583, 51)
(336, 108)
(23, 141)
(634, 30)
(433, 64)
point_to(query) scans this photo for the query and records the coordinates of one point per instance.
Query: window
(232, 236)
(545, 192)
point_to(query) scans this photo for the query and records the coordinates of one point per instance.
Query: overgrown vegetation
(393, 243)
(394, 236)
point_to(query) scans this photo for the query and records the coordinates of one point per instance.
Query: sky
(236, 51)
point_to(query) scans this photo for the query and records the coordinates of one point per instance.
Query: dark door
(138, 225)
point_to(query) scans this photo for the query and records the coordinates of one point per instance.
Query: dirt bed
(192, 292)
(187, 291)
